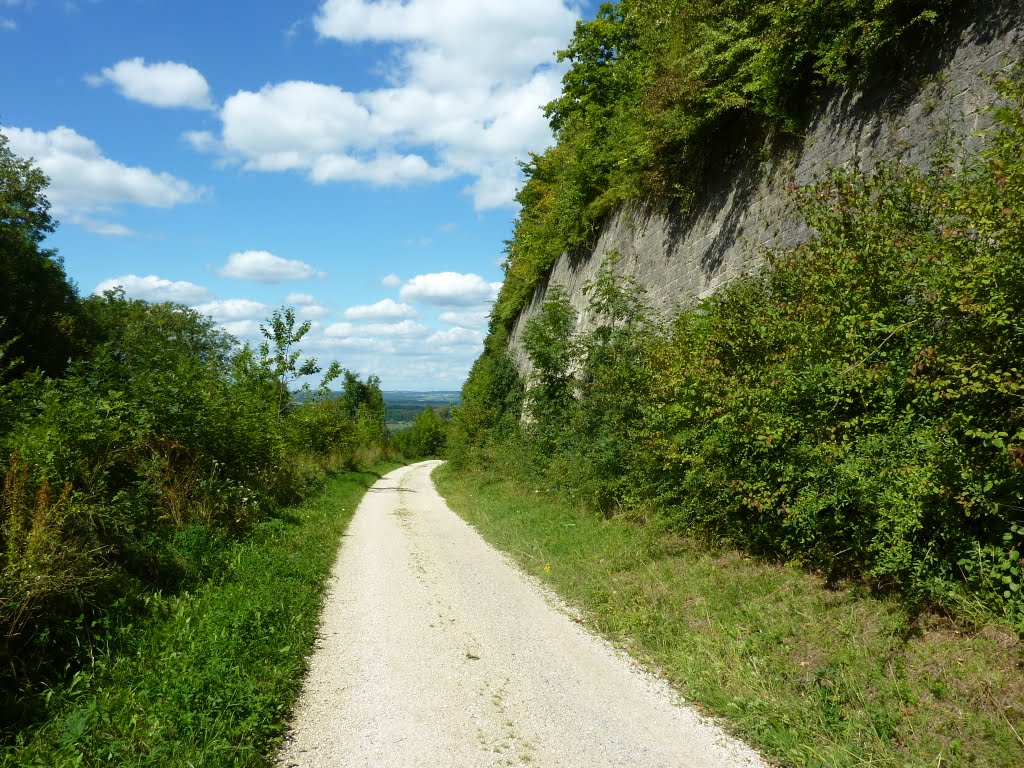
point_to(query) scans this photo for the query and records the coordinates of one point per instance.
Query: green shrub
(857, 408)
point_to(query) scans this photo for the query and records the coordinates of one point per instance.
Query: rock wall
(749, 209)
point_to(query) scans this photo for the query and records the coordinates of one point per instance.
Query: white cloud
(384, 169)
(306, 306)
(312, 311)
(242, 328)
(455, 337)
(339, 330)
(82, 180)
(382, 310)
(403, 328)
(265, 267)
(234, 309)
(104, 228)
(472, 318)
(157, 289)
(201, 141)
(293, 124)
(163, 84)
(470, 41)
(449, 289)
(468, 80)
(370, 330)
(391, 281)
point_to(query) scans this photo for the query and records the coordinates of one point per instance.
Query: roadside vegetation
(857, 409)
(813, 674)
(839, 439)
(203, 676)
(427, 436)
(158, 589)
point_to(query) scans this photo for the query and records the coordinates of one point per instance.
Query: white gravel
(435, 650)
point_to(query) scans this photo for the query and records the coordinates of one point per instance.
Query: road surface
(435, 650)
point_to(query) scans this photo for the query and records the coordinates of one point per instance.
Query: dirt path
(436, 651)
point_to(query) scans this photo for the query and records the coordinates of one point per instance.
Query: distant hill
(437, 397)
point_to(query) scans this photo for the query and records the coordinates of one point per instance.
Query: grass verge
(808, 674)
(205, 677)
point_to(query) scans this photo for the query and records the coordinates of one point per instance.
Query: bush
(857, 408)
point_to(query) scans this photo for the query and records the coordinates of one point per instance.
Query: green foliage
(492, 400)
(142, 454)
(206, 676)
(38, 306)
(653, 87)
(427, 436)
(856, 409)
(279, 356)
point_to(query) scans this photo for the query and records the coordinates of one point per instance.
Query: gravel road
(435, 650)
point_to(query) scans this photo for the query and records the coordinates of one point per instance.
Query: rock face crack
(434, 650)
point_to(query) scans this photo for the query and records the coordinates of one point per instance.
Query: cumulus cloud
(83, 180)
(369, 330)
(468, 80)
(391, 281)
(242, 328)
(317, 128)
(312, 311)
(455, 337)
(153, 288)
(163, 84)
(463, 41)
(265, 267)
(472, 318)
(382, 310)
(403, 328)
(234, 309)
(306, 306)
(105, 228)
(449, 289)
(339, 330)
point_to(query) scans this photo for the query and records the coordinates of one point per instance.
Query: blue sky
(354, 159)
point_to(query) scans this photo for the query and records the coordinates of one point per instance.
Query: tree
(279, 355)
(39, 304)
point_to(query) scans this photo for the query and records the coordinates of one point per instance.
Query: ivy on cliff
(653, 84)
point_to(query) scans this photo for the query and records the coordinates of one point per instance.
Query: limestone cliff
(748, 208)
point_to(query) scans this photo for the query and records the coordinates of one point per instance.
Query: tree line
(137, 441)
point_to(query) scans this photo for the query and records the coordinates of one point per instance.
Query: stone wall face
(746, 211)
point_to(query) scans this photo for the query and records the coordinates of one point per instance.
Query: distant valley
(403, 406)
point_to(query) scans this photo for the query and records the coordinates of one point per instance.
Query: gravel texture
(435, 650)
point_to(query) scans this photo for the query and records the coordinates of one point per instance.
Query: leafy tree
(491, 403)
(426, 437)
(38, 303)
(279, 355)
